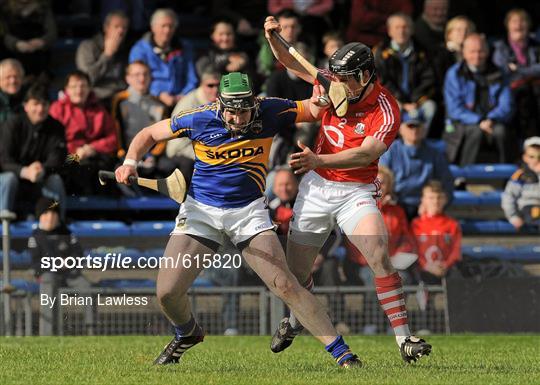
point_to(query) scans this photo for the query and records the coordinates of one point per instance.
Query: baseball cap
(532, 141)
(415, 122)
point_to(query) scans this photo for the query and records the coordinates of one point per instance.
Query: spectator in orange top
(438, 236)
(90, 133)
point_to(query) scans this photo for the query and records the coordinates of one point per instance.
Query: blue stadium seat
(25, 285)
(17, 260)
(91, 203)
(100, 229)
(528, 253)
(152, 228)
(148, 203)
(22, 229)
(486, 251)
(478, 226)
(490, 171)
(457, 171)
(467, 198)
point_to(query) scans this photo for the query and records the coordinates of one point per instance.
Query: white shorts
(321, 204)
(209, 222)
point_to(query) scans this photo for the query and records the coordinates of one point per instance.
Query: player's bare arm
(362, 156)
(140, 145)
(281, 53)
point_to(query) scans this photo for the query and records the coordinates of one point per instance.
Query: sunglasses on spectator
(212, 85)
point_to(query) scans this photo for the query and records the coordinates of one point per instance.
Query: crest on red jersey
(360, 128)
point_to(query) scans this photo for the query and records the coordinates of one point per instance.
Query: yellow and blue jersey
(230, 169)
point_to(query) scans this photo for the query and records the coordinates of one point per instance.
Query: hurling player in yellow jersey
(231, 139)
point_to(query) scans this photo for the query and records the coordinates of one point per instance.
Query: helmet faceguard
(353, 60)
(236, 94)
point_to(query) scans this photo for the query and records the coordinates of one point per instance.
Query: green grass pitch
(460, 359)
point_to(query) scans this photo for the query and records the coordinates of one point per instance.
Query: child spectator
(521, 197)
(438, 236)
(52, 238)
(331, 42)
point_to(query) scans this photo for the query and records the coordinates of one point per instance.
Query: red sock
(390, 295)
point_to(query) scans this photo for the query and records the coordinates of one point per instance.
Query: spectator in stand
(457, 29)
(404, 69)
(368, 19)
(52, 238)
(33, 149)
(104, 57)
(479, 104)
(29, 33)
(204, 94)
(438, 236)
(401, 247)
(290, 31)
(313, 17)
(331, 42)
(180, 150)
(519, 57)
(521, 197)
(224, 55)
(429, 27)
(285, 84)
(173, 70)
(414, 161)
(133, 109)
(284, 190)
(90, 133)
(11, 80)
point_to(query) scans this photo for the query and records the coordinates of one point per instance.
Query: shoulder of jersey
(198, 111)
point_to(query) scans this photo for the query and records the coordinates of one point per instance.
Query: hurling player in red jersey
(340, 184)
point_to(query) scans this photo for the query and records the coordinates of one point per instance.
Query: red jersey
(437, 238)
(377, 115)
(400, 238)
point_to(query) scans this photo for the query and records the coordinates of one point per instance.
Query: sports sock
(188, 329)
(293, 321)
(390, 295)
(339, 350)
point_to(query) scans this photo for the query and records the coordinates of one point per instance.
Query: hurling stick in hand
(174, 186)
(336, 91)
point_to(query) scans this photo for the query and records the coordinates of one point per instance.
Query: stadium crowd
(478, 95)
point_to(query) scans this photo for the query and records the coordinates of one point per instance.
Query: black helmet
(353, 59)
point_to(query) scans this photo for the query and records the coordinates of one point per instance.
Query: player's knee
(285, 286)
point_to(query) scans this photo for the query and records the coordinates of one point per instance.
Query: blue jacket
(176, 76)
(459, 95)
(413, 167)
